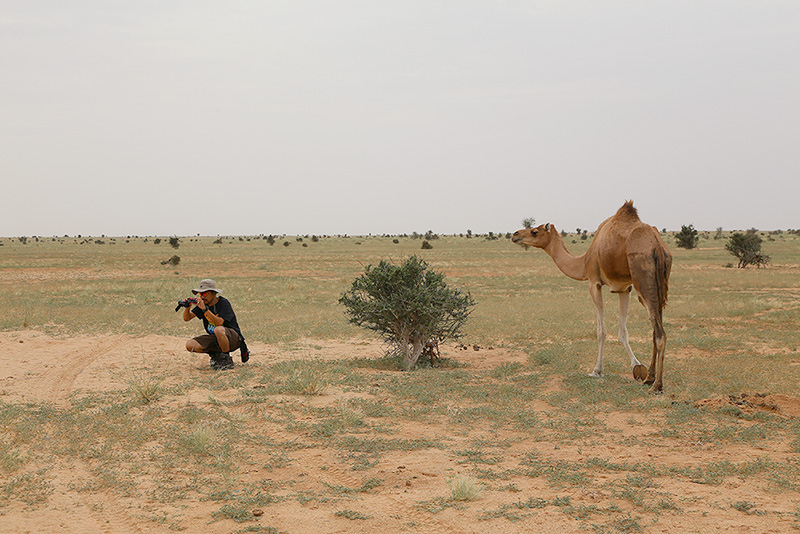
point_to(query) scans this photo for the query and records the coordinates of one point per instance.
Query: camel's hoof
(640, 372)
(596, 374)
(655, 389)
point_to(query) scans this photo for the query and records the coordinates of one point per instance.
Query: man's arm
(213, 319)
(187, 314)
(208, 314)
(224, 312)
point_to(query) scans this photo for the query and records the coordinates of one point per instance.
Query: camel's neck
(572, 266)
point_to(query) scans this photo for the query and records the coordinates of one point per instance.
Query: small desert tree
(409, 305)
(747, 247)
(687, 238)
(174, 261)
(528, 222)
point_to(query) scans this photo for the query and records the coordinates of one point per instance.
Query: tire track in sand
(56, 384)
(99, 511)
(111, 515)
(104, 509)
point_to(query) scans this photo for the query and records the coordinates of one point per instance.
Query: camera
(186, 303)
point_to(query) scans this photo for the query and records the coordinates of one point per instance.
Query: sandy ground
(37, 368)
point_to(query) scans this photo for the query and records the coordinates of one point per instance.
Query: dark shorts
(209, 341)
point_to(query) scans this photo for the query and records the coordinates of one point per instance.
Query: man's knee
(193, 346)
(222, 338)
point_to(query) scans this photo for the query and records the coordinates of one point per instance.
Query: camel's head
(534, 237)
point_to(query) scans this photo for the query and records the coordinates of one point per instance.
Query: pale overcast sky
(324, 117)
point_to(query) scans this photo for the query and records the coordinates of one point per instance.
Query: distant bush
(426, 245)
(174, 242)
(172, 262)
(747, 247)
(687, 238)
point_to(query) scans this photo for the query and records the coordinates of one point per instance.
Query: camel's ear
(547, 227)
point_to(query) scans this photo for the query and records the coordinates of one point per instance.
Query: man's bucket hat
(207, 285)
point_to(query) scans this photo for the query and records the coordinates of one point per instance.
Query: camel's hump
(627, 210)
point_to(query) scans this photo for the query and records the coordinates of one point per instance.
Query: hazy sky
(324, 117)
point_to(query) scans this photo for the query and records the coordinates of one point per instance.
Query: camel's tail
(662, 264)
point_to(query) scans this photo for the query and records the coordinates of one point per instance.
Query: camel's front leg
(639, 370)
(597, 297)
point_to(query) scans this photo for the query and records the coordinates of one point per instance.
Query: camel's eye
(534, 233)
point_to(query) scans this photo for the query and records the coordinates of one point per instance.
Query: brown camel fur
(625, 253)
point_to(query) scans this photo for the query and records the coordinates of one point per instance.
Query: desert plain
(108, 425)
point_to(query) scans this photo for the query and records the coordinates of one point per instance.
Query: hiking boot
(221, 361)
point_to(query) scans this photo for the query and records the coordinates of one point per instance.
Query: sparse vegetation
(352, 515)
(465, 488)
(305, 381)
(146, 386)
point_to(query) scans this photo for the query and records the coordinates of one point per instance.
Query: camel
(625, 253)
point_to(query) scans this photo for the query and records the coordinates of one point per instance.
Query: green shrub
(747, 247)
(410, 306)
(687, 238)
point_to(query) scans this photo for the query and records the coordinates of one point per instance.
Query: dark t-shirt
(222, 309)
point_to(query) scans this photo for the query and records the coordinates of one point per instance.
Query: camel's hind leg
(650, 263)
(639, 370)
(656, 372)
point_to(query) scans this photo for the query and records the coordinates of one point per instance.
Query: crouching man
(223, 334)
